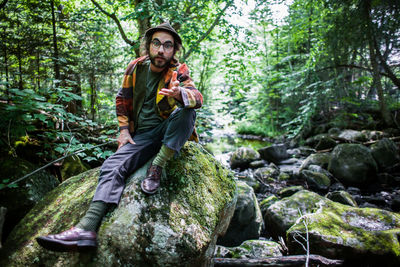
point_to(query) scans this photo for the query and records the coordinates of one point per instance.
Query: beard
(160, 61)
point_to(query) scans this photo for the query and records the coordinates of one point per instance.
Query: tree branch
(116, 20)
(187, 54)
(386, 67)
(293, 260)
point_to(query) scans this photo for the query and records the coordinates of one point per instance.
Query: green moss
(351, 230)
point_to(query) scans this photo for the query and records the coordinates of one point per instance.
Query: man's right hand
(124, 137)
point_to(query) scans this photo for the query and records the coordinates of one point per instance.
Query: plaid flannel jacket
(129, 101)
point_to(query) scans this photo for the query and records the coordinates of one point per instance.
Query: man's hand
(124, 137)
(173, 89)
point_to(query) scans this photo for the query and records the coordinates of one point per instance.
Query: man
(150, 124)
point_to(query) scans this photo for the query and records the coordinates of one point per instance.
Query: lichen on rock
(178, 226)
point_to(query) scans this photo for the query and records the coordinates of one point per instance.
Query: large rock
(250, 249)
(353, 135)
(178, 226)
(25, 194)
(247, 220)
(353, 164)
(316, 180)
(242, 157)
(359, 236)
(385, 153)
(274, 153)
(281, 215)
(320, 159)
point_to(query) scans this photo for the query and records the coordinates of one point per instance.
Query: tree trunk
(20, 83)
(38, 69)
(6, 67)
(374, 63)
(92, 82)
(56, 62)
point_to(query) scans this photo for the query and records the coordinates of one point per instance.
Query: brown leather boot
(151, 183)
(74, 239)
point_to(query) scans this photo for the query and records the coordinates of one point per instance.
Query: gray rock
(250, 249)
(242, 157)
(316, 180)
(288, 191)
(247, 220)
(266, 173)
(334, 131)
(342, 197)
(274, 153)
(353, 135)
(325, 143)
(281, 215)
(178, 226)
(320, 159)
(257, 164)
(360, 236)
(353, 164)
(385, 153)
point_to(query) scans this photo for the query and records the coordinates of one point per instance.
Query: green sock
(93, 216)
(163, 156)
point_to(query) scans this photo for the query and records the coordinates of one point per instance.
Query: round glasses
(168, 45)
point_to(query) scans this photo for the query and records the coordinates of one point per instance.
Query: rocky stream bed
(336, 196)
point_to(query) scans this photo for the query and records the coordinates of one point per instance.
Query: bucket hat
(164, 27)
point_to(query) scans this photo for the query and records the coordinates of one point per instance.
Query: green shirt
(148, 80)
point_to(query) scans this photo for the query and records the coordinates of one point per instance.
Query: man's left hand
(173, 89)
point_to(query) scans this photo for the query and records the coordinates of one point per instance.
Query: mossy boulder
(242, 157)
(250, 249)
(178, 226)
(359, 236)
(247, 220)
(266, 173)
(385, 153)
(274, 153)
(342, 197)
(353, 164)
(20, 199)
(282, 214)
(316, 180)
(320, 159)
(72, 166)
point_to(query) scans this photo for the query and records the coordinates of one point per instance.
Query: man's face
(161, 56)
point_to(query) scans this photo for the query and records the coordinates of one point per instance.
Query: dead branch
(294, 260)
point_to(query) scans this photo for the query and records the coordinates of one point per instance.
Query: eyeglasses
(168, 46)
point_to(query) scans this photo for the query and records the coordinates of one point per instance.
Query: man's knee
(185, 114)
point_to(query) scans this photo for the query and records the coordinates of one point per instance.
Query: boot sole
(66, 246)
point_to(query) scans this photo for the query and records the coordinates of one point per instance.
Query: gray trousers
(173, 132)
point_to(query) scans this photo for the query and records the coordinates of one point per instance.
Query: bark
(3, 212)
(19, 56)
(55, 47)
(92, 82)
(6, 66)
(295, 260)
